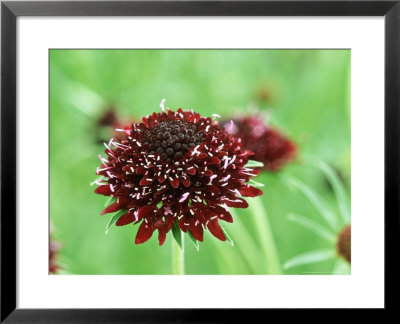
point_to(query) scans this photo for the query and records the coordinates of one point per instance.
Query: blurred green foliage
(306, 93)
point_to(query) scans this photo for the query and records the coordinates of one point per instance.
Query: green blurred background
(306, 93)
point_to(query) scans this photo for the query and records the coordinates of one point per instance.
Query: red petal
(208, 173)
(223, 214)
(140, 170)
(174, 182)
(145, 181)
(103, 190)
(171, 114)
(197, 232)
(127, 168)
(215, 189)
(161, 236)
(226, 216)
(144, 233)
(191, 170)
(185, 182)
(213, 160)
(216, 230)
(250, 191)
(125, 219)
(144, 211)
(151, 122)
(145, 121)
(238, 203)
(111, 209)
(169, 221)
(182, 224)
(201, 156)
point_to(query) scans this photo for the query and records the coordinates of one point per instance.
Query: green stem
(265, 235)
(248, 247)
(178, 258)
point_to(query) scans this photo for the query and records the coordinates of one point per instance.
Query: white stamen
(212, 177)
(226, 164)
(99, 170)
(233, 159)
(108, 148)
(102, 159)
(162, 105)
(184, 196)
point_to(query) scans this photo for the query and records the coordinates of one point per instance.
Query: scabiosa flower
(265, 93)
(54, 247)
(175, 167)
(106, 124)
(270, 147)
(344, 243)
(337, 230)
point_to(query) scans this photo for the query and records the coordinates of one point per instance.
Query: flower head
(175, 167)
(268, 144)
(107, 123)
(339, 242)
(54, 247)
(344, 243)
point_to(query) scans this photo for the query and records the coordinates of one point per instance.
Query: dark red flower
(175, 166)
(54, 247)
(268, 144)
(108, 118)
(265, 93)
(107, 123)
(344, 243)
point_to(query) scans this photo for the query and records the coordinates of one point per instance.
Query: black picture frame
(10, 10)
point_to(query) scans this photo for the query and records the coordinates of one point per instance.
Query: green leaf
(177, 233)
(316, 201)
(228, 238)
(338, 189)
(254, 164)
(255, 184)
(110, 201)
(194, 241)
(114, 219)
(312, 226)
(309, 257)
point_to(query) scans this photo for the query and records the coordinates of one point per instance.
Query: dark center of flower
(172, 139)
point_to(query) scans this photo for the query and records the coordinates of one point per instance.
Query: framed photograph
(193, 161)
